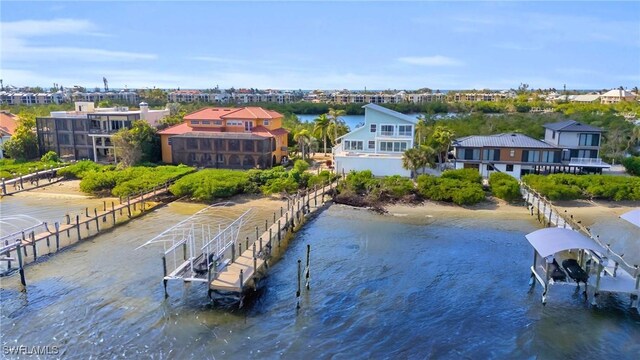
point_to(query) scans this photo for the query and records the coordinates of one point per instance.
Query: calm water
(382, 287)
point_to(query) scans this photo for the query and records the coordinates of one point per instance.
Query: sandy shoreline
(67, 189)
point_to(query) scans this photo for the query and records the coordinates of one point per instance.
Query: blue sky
(309, 45)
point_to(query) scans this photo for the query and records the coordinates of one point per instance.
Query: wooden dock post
(4, 187)
(95, 212)
(129, 206)
(257, 233)
(57, 226)
(184, 251)
(233, 252)
(78, 227)
(86, 212)
(286, 219)
(23, 281)
(241, 280)
(274, 217)
(113, 213)
(104, 205)
(266, 224)
(550, 214)
(298, 291)
(260, 245)
(246, 246)
(280, 211)
(68, 218)
(164, 279)
(308, 270)
(33, 245)
(279, 234)
(254, 253)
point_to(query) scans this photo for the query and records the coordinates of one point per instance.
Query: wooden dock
(29, 181)
(25, 246)
(244, 271)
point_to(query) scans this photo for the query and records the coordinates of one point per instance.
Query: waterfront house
(8, 125)
(378, 145)
(86, 132)
(513, 154)
(568, 146)
(235, 138)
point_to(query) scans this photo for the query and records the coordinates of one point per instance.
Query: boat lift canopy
(632, 216)
(549, 241)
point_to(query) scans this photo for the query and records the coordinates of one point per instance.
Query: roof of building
(176, 129)
(8, 123)
(184, 128)
(618, 93)
(390, 112)
(586, 97)
(261, 130)
(253, 112)
(209, 113)
(501, 140)
(571, 125)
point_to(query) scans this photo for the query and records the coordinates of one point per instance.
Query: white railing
(587, 161)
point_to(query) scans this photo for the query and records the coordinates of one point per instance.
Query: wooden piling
(78, 227)
(33, 245)
(308, 271)
(23, 280)
(57, 226)
(298, 291)
(95, 212)
(279, 234)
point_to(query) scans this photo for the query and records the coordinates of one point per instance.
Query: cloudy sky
(308, 45)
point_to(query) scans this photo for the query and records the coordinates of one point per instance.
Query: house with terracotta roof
(236, 138)
(8, 125)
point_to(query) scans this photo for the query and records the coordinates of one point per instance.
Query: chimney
(144, 110)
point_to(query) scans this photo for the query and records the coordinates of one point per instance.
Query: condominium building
(86, 132)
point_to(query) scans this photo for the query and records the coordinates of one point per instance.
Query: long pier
(244, 271)
(25, 246)
(616, 276)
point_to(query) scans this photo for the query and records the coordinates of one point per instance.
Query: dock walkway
(250, 265)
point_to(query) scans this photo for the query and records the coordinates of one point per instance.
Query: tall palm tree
(322, 123)
(334, 116)
(303, 138)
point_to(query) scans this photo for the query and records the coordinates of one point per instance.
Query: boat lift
(197, 245)
(583, 260)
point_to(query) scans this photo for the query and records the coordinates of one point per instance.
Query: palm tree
(334, 116)
(302, 138)
(322, 123)
(417, 158)
(441, 140)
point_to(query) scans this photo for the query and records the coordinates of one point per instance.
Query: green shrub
(324, 177)
(632, 164)
(360, 181)
(396, 186)
(505, 186)
(280, 185)
(78, 170)
(450, 189)
(208, 184)
(468, 175)
(130, 180)
(570, 187)
(10, 168)
(50, 157)
(301, 165)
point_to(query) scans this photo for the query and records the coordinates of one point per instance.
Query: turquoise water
(381, 287)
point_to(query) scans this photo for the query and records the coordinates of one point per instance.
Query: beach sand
(67, 189)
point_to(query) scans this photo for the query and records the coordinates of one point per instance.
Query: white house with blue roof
(378, 145)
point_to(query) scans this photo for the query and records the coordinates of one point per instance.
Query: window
(248, 125)
(393, 146)
(386, 130)
(512, 153)
(553, 134)
(509, 167)
(396, 146)
(373, 128)
(217, 122)
(265, 122)
(372, 144)
(550, 156)
(219, 158)
(530, 156)
(206, 122)
(491, 154)
(192, 143)
(353, 145)
(195, 122)
(471, 154)
(589, 140)
(169, 140)
(404, 130)
(386, 146)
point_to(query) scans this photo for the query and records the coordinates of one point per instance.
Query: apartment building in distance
(233, 138)
(28, 98)
(86, 132)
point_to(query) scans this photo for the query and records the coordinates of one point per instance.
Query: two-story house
(514, 154)
(568, 146)
(235, 138)
(378, 145)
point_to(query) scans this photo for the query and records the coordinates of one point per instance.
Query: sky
(321, 45)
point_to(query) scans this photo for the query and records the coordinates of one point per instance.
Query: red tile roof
(266, 132)
(176, 129)
(8, 123)
(253, 112)
(209, 114)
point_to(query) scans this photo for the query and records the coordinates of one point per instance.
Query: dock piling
(23, 281)
(298, 291)
(308, 270)
(57, 226)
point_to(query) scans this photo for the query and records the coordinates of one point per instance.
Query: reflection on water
(380, 287)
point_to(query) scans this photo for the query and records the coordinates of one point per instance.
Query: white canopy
(632, 216)
(551, 240)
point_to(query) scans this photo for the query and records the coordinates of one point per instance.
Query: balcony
(588, 162)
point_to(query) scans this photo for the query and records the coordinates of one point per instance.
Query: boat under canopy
(632, 216)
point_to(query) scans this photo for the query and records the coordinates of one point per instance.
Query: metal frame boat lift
(605, 275)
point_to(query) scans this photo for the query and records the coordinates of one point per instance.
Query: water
(381, 286)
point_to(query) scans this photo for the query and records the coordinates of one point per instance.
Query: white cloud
(436, 60)
(16, 46)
